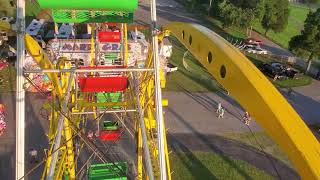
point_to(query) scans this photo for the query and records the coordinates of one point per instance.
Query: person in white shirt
(33, 155)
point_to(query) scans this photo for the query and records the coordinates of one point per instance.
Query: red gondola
(103, 84)
(109, 36)
(110, 135)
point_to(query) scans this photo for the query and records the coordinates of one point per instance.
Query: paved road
(34, 136)
(188, 112)
(167, 11)
(306, 101)
(195, 112)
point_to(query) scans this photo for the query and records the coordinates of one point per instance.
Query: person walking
(290, 91)
(246, 118)
(221, 113)
(33, 155)
(219, 108)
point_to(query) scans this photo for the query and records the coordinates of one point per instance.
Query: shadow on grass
(196, 141)
(212, 147)
(196, 168)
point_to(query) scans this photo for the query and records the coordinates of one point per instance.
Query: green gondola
(105, 5)
(109, 97)
(110, 125)
(87, 16)
(110, 171)
(91, 11)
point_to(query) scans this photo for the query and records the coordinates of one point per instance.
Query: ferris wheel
(103, 100)
(105, 109)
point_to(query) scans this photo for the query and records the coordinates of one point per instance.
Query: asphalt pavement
(35, 134)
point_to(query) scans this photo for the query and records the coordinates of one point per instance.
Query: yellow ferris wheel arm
(255, 93)
(5, 26)
(41, 58)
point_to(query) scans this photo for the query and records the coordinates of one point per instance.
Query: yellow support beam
(140, 162)
(68, 134)
(126, 45)
(167, 154)
(255, 93)
(41, 58)
(43, 61)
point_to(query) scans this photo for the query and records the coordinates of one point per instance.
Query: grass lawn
(205, 165)
(261, 140)
(8, 75)
(194, 79)
(297, 16)
(301, 81)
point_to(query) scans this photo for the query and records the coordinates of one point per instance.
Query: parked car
(171, 68)
(253, 41)
(255, 50)
(289, 71)
(280, 70)
(273, 71)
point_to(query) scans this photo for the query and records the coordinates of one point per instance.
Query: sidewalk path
(188, 112)
(306, 101)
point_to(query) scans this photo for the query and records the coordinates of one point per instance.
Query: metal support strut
(158, 98)
(59, 131)
(146, 150)
(20, 93)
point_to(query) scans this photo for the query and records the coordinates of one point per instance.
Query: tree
(307, 44)
(275, 15)
(240, 13)
(229, 14)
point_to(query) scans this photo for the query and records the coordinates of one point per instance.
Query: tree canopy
(275, 15)
(240, 13)
(307, 44)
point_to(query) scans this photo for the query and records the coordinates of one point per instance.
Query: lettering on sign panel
(86, 47)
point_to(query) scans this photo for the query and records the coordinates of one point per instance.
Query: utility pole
(210, 4)
(20, 93)
(158, 98)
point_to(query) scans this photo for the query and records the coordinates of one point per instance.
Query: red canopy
(109, 36)
(110, 135)
(103, 84)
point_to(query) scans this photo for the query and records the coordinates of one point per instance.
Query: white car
(256, 51)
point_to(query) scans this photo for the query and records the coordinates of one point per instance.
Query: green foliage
(240, 13)
(287, 83)
(7, 8)
(195, 79)
(275, 16)
(297, 16)
(307, 44)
